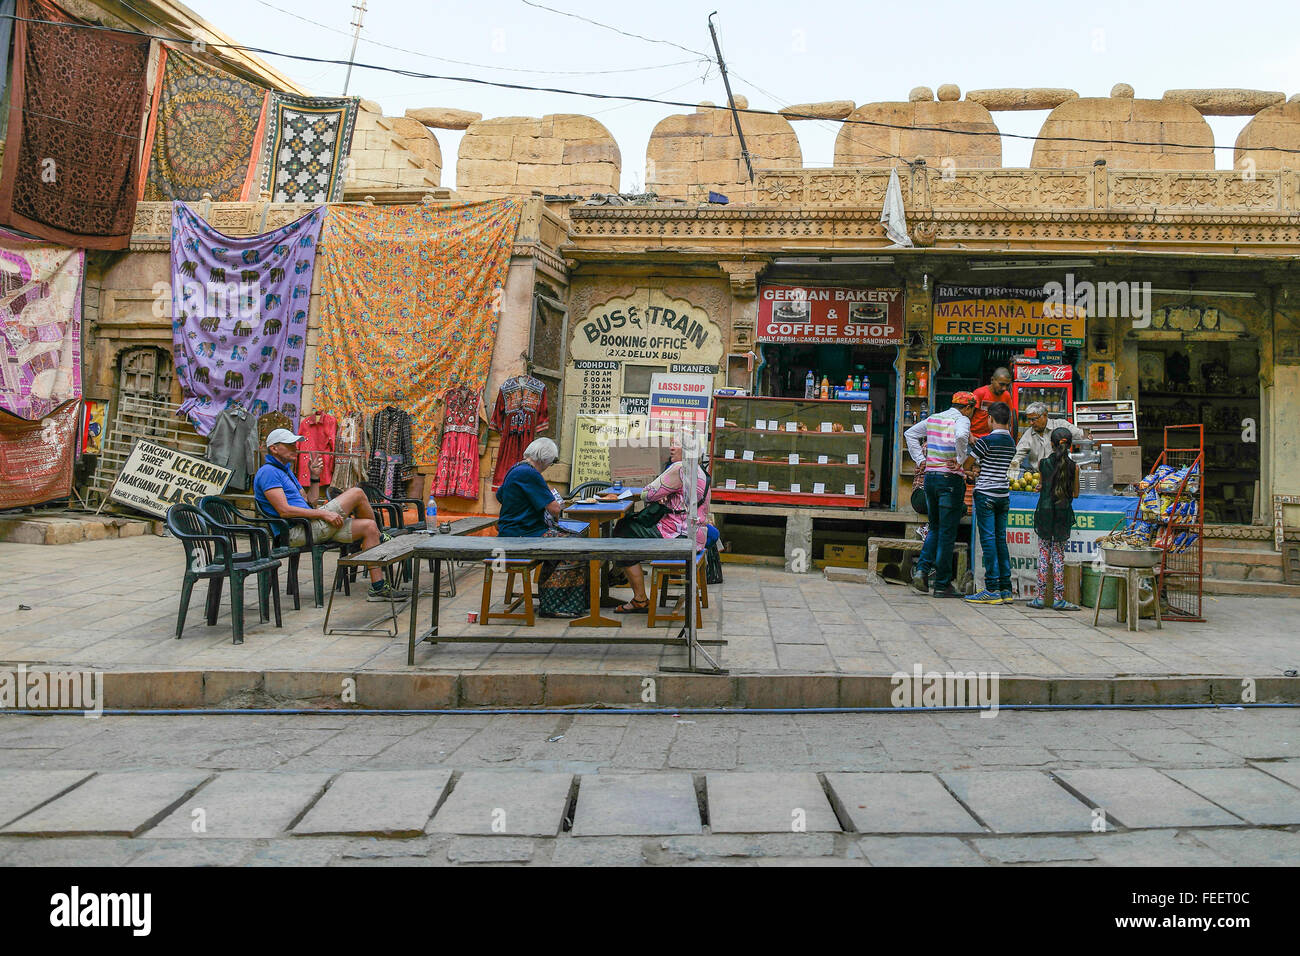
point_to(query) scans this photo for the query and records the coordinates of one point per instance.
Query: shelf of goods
(791, 451)
(1113, 422)
(1171, 509)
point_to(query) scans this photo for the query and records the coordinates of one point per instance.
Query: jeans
(991, 520)
(944, 495)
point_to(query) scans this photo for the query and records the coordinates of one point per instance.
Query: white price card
(859, 429)
(794, 458)
(729, 453)
(792, 426)
(748, 454)
(827, 427)
(760, 423)
(720, 423)
(731, 484)
(850, 489)
(822, 460)
(819, 488)
(794, 489)
(852, 460)
(763, 486)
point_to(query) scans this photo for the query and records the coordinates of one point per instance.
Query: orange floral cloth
(410, 298)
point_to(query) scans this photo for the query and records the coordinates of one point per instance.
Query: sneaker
(1007, 597)
(948, 592)
(1037, 604)
(383, 591)
(919, 583)
(984, 597)
(1064, 606)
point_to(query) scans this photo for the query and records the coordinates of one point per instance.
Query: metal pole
(356, 34)
(731, 100)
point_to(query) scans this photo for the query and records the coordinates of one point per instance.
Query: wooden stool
(1128, 598)
(665, 573)
(524, 567)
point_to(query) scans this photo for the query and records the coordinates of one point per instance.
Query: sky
(777, 54)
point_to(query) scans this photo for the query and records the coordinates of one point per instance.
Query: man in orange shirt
(998, 390)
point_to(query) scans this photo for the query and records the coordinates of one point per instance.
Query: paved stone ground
(112, 605)
(1172, 787)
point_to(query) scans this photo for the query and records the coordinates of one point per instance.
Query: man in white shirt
(1036, 443)
(947, 446)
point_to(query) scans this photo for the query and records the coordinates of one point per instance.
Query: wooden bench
(664, 573)
(903, 547)
(513, 567)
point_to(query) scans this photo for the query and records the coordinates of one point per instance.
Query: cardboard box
(1126, 460)
(846, 555)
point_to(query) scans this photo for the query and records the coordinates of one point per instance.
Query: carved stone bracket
(744, 275)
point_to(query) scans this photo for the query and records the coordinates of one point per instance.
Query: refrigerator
(1053, 385)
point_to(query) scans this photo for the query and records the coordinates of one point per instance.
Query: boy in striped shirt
(992, 456)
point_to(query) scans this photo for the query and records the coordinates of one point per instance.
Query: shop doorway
(785, 375)
(1213, 383)
(965, 367)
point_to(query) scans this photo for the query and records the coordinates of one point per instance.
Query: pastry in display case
(791, 450)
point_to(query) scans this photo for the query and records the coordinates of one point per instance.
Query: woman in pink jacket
(669, 520)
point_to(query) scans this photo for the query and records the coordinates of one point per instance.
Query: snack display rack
(1179, 537)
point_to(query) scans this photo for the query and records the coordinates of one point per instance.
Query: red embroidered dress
(457, 473)
(520, 413)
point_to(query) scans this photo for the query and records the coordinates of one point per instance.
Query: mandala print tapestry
(40, 323)
(308, 138)
(239, 315)
(204, 133)
(72, 157)
(410, 299)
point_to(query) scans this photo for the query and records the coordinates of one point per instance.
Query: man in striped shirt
(947, 440)
(992, 454)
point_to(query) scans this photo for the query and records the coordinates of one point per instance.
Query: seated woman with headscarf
(664, 517)
(530, 509)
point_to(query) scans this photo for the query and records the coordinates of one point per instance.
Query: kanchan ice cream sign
(824, 315)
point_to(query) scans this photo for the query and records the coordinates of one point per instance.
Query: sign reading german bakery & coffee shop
(830, 315)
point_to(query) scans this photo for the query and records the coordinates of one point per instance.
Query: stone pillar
(798, 542)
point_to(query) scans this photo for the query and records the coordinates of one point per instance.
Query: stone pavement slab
(24, 790)
(1019, 801)
(661, 804)
(120, 803)
(473, 849)
(918, 851)
(1250, 794)
(899, 803)
(243, 804)
(1287, 771)
(1039, 849)
(768, 803)
(1253, 847)
(505, 802)
(1141, 798)
(392, 803)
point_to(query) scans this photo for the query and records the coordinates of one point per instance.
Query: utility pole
(360, 8)
(731, 100)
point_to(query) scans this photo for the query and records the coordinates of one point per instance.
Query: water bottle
(809, 384)
(431, 513)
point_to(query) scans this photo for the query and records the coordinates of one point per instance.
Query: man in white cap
(278, 492)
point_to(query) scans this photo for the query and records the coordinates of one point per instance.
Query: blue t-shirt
(275, 475)
(524, 496)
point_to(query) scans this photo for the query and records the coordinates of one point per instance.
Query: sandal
(633, 607)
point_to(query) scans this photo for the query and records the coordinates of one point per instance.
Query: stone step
(71, 527)
(1261, 539)
(1261, 588)
(1239, 564)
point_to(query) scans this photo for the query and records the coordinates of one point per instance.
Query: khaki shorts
(322, 530)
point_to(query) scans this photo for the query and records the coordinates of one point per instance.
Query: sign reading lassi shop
(1003, 314)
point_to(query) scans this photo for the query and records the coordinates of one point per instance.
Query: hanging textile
(349, 450)
(519, 415)
(204, 133)
(36, 456)
(72, 157)
(409, 305)
(239, 315)
(7, 8)
(307, 139)
(40, 323)
(457, 473)
(318, 431)
(392, 463)
(233, 444)
(270, 422)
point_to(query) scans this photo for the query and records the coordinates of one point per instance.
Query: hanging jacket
(233, 444)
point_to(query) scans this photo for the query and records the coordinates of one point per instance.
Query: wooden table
(441, 548)
(596, 515)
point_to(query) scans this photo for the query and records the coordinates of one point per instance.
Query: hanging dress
(457, 473)
(520, 414)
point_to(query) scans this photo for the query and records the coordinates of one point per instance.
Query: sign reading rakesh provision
(156, 477)
(1003, 314)
(824, 314)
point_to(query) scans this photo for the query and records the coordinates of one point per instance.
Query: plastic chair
(588, 487)
(223, 514)
(210, 553)
(317, 551)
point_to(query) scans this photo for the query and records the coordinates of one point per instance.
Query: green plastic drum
(1088, 589)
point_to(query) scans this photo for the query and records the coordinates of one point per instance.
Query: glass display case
(791, 451)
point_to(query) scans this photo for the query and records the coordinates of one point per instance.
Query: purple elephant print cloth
(239, 315)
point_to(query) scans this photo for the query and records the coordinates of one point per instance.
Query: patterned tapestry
(204, 133)
(36, 456)
(410, 299)
(307, 140)
(40, 323)
(239, 315)
(72, 157)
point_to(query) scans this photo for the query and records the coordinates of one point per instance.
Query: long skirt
(562, 587)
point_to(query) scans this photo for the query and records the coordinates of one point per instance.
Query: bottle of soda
(911, 382)
(826, 388)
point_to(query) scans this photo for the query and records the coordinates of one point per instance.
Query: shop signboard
(155, 477)
(1044, 373)
(680, 400)
(812, 315)
(592, 438)
(1003, 314)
